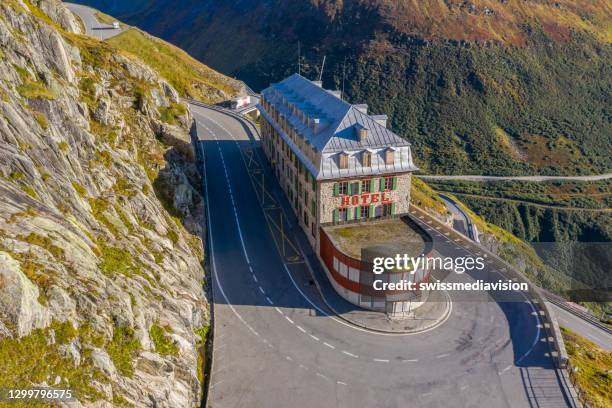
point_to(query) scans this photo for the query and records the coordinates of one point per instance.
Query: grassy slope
(190, 77)
(591, 372)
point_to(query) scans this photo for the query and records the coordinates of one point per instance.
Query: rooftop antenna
(343, 75)
(322, 66)
(299, 60)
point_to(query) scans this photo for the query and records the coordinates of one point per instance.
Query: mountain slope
(100, 218)
(189, 77)
(483, 87)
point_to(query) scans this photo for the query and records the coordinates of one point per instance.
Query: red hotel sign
(365, 199)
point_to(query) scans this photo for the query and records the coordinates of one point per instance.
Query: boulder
(19, 298)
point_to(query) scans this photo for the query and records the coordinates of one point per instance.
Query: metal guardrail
(584, 315)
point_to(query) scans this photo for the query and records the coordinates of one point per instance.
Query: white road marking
(278, 310)
(349, 354)
(329, 345)
(262, 291)
(300, 329)
(340, 383)
(269, 300)
(314, 337)
(322, 376)
(443, 355)
(288, 319)
(380, 360)
(411, 361)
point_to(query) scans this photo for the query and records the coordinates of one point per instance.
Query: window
(355, 187)
(387, 210)
(388, 183)
(342, 212)
(378, 212)
(305, 218)
(389, 156)
(343, 161)
(343, 188)
(363, 212)
(365, 186)
(366, 159)
(313, 208)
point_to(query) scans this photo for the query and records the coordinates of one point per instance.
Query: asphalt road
(596, 177)
(276, 345)
(93, 27)
(583, 328)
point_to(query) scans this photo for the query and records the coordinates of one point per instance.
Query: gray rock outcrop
(95, 195)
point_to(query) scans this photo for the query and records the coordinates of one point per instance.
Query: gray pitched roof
(339, 118)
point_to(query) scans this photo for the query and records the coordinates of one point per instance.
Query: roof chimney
(380, 119)
(362, 107)
(336, 93)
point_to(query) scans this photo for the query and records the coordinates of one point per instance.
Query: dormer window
(362, 133)
(366, 158)
(390, 156)
(343, 160)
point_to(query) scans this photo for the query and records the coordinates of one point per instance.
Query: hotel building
(337, 164)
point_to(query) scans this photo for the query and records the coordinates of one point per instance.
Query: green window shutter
(394, 186)
(336, 189)
(335, 216)
(381, 184)
(359, 187)
(372, 185)
(349, 213)
(393, 208)
(349, 188)
(372, 211)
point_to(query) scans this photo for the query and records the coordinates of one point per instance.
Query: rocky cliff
(100, 257)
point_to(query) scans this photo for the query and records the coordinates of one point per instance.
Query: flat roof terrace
(391, 236)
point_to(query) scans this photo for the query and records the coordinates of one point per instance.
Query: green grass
(29, 191)
(115, 260)
(41, 119)
(203, 357)
(172, 235)
(188, 76)
(43, 242)
(35, 90)
(171, 113)
(122, 350)
(63, 146)
(31, 360)
(591, 369)
(423, 196)
(164, 345)
(79, 189)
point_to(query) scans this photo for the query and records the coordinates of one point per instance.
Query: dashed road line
(349, 354)
(329, 345)
(380, 360)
